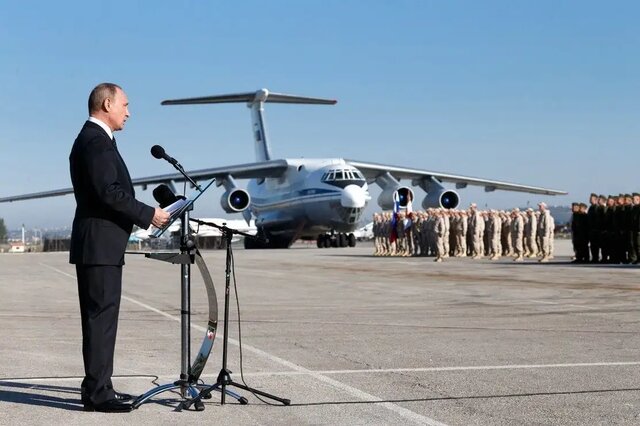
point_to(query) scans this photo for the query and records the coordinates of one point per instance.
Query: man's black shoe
(123, 397)
(119, 396)
(110, 406)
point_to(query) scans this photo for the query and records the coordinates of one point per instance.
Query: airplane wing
(263, 169)
(372, 170)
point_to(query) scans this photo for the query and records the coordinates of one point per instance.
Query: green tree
(3, 231)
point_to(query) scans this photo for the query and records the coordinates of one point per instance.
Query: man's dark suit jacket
(106, 206)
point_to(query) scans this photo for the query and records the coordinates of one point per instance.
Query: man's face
(636, 200)
(610, 202)
(593, 199)
(117, 110)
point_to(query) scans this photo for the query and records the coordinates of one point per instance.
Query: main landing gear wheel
(336, 240)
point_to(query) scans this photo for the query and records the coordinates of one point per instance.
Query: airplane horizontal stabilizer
(262, 95)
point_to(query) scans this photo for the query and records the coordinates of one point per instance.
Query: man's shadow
(11, 392)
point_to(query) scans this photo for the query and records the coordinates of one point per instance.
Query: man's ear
(106, 105)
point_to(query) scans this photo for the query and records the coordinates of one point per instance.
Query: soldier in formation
(608, 230)
(443, 233)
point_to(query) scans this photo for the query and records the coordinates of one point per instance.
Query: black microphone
(158, 152)
(165, 196)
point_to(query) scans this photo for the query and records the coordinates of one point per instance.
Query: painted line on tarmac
(363, 371)
(401, 411)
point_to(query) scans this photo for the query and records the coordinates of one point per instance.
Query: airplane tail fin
(255, 101)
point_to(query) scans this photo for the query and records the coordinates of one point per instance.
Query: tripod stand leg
(284, 401)
(206, 394)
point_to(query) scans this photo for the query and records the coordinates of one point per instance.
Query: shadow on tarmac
(73, 403)
(9, 393)
(455, 398)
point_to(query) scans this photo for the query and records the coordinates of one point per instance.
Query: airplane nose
(353, 197)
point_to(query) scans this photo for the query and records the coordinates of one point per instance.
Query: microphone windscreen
(164, 195)
(157, 151)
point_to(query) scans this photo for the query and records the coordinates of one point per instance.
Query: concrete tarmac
(348, 337)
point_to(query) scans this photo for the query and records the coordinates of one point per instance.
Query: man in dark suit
(105, 214)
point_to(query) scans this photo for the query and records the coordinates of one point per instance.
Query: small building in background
(17, 247)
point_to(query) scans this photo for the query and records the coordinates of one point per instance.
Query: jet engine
(235, 200)
(403, 194)
(441, 198)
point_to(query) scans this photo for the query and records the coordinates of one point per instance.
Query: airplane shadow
(471, 397)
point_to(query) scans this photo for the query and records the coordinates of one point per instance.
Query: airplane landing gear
(336, 240)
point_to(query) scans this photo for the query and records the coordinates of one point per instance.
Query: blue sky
(543, 93)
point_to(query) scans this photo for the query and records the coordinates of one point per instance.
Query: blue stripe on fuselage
(307, 194)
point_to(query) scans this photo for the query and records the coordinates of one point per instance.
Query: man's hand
(160, 218)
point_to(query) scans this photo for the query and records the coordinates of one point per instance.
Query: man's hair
(99, 93)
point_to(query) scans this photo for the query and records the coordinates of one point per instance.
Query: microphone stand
(224, 377)
(188, 382)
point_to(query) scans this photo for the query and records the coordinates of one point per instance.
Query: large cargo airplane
(321, 199)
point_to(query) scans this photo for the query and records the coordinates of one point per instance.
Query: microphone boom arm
(179, 168)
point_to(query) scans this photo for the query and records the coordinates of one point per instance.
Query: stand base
(224, 380)
(192, 389)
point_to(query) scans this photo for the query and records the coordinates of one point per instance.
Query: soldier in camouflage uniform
(545, 232)
(474, 230)
(517, 234)
(440, 233)
(464, 231)
(495, 235)
(530, 231)
(447, 232)
(505, 234)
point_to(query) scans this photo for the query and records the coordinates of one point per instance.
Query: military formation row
(608, 231)
(459, 233)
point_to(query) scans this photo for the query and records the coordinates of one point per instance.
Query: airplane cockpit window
(342, 175)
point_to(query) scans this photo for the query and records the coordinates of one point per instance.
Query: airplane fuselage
(313, 196)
